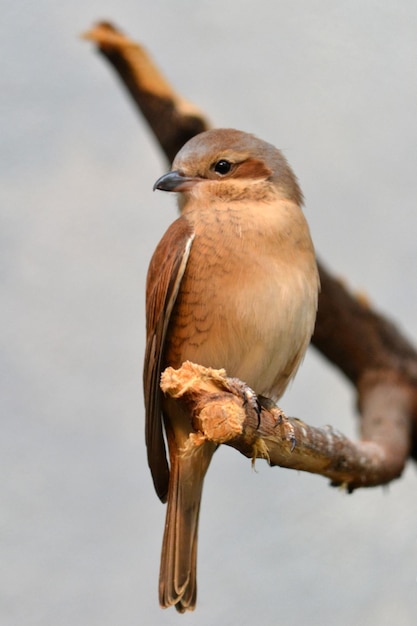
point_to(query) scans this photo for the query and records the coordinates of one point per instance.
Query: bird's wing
(164, 278)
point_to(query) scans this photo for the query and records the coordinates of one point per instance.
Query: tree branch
(173, 119)
(362, 343)
(222, 412)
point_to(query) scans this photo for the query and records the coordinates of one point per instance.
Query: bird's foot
(250, 398)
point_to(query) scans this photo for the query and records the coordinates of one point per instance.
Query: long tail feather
(177, 579)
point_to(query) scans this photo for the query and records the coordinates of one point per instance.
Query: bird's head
(230, 165)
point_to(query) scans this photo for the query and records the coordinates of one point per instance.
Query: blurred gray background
(334, 85)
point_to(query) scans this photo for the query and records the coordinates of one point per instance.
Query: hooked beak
(175, 181)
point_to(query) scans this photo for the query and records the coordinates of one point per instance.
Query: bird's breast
(248, 297)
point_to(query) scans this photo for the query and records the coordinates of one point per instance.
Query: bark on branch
(363, 344)
(223, 411)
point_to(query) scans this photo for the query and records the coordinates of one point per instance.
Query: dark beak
(175, 181)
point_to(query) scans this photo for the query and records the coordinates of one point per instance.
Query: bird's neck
(268, 223)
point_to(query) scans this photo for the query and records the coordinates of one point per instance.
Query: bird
(232, 284)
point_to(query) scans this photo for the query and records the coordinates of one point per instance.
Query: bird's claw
(293, 441)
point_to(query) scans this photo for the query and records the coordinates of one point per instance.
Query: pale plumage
(233, 284)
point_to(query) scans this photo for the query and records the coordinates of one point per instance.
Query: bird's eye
(222, 167)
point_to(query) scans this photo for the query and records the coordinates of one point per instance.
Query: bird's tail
(177, 578)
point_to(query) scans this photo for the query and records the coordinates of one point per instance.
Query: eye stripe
(252, 168)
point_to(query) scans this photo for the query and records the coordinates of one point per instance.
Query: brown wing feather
(165, 272)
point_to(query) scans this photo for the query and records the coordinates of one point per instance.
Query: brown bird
(233, 284)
